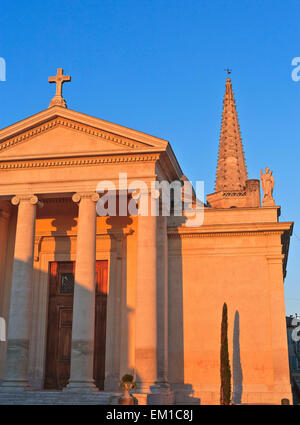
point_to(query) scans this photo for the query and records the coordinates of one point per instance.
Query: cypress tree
(225, 391)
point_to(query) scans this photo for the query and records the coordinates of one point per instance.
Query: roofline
(59, 111)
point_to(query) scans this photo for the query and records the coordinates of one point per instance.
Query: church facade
(88, 298)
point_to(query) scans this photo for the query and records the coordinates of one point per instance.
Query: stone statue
(267, 183)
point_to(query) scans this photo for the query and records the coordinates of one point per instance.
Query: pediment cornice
(54, 116)
(127, 145)
(27, 135)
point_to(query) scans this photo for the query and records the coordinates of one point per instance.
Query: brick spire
(231, 169)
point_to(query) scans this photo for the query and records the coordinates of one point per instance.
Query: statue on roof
(267, 183)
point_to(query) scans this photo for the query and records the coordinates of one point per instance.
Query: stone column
(4, 221)
(114, 332)
(149, 356)
(162, 302)
(16, 367)
(146, 302)
(83, 328)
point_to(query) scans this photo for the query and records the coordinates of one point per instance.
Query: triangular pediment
(60, 132)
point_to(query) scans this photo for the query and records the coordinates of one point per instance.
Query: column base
(81, 386)
(15, 374)
(159, 398)
(6, 386)
(157, 394)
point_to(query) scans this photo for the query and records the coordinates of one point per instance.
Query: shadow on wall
(184, 392)
(61, 232)
(237, 372)
(118, 344)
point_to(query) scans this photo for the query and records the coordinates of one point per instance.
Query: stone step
(58, 397)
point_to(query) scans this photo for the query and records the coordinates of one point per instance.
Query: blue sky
(158, 66)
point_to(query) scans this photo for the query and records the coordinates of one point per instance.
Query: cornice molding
(69, 162)
(275, 259)
(255, 229)
(218, 234)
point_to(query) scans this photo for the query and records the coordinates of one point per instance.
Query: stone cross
(59, 79)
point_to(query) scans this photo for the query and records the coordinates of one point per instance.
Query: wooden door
(60, 314)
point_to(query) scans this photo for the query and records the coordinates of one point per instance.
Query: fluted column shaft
(83, 327)
(16, 367)
(162, 302)
(146, 301)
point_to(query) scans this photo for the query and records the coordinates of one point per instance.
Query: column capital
(147, 201)
(120, 234)
(33, 199)
(149, 192)
(81, 195)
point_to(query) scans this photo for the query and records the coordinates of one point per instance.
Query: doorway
(60, 315)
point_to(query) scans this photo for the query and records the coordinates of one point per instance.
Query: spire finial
(228, 70)
(59, 79)
(231, 169)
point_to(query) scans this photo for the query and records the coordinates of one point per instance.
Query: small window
(67, 283)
